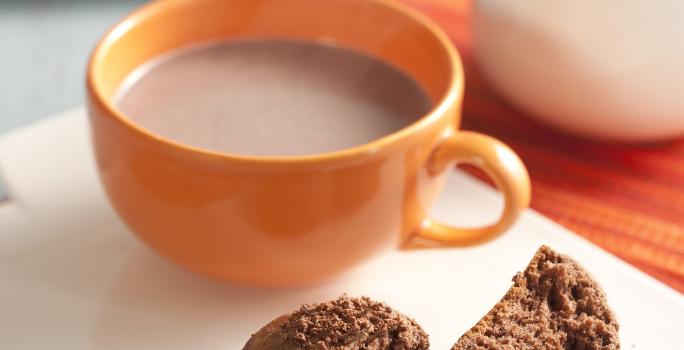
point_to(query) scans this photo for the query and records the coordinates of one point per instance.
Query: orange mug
(291, 220)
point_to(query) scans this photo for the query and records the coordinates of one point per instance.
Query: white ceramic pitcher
(610, 69)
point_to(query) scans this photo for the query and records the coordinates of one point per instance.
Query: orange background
(628, 199)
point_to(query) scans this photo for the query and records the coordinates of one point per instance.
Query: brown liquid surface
(271, 97)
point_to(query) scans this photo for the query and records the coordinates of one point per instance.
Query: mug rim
(449, 98)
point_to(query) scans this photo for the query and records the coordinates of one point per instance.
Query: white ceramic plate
(73, 277)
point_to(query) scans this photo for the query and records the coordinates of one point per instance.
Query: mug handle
(501, 164)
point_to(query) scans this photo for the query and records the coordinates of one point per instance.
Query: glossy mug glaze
(287, 221)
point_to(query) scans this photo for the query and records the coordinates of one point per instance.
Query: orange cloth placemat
(627, 199)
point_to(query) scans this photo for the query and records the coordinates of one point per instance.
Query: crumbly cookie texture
(553, 305)
(342, 324)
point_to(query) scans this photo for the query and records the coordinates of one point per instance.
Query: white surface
(610, 68)
(72, 276)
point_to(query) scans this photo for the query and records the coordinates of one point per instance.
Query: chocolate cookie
(553, 305)
(342, 324)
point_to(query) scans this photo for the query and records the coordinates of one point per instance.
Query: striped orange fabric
(628, 199)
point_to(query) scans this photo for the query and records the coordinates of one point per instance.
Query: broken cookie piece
(553, 305)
